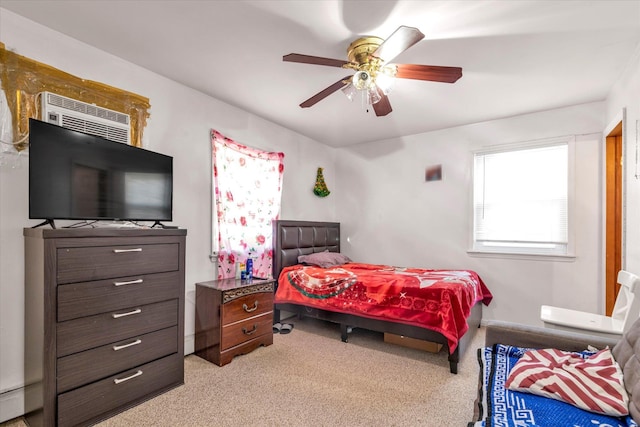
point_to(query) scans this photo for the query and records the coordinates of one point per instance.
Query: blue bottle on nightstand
(249, 274)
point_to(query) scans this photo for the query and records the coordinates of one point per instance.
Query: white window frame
(532, 252)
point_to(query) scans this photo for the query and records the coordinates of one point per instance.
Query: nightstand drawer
(240, 332)
(81, 368)
(93, 331)
(89, 298)
(247, 306)
(85, 403)
(103, 262)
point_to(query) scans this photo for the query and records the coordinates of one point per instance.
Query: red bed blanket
(440, 300)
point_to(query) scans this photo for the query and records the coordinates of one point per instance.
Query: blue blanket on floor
(502, 407)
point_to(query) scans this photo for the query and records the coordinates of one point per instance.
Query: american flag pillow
(594, 383)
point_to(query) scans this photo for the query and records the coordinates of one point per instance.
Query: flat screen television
(77, 176)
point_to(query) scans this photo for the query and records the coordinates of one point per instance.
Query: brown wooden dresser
(104, 320)
(233, 317)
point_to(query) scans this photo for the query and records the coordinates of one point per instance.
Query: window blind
(521, 197)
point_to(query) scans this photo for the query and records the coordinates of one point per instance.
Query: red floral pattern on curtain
(247, 189)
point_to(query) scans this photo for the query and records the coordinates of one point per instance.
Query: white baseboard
(189, 344)
(12, 402)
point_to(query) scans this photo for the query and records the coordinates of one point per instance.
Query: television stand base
(45, 222)
(161, 225)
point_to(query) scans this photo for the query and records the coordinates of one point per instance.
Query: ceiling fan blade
(316, 60)
(382, 107)
(401, 39)
(325, 92)
(432, 73)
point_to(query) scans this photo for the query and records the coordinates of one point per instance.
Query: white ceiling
(517, 56)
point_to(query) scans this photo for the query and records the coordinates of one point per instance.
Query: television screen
(73, 175)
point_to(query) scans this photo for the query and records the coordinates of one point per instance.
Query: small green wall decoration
(320, 189)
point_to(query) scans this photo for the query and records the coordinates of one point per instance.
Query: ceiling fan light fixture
(373, 95)
(385, 82)
(349, 91)
(362, 80)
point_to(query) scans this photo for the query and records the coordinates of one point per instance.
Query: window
(521, 198)
(247, 186)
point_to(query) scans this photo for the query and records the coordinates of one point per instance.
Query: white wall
(625, 95)
(389, 214)
(181, 119)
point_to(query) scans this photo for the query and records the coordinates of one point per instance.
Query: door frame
(613, 258)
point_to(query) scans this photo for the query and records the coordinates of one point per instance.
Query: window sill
(524, 256)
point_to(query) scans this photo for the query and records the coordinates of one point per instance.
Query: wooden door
(613, 230)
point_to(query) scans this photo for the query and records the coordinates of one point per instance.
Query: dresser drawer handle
(116, 315)
(130, 282)
(121, 380)
(249, 310)
(255, 328)
(121, 251)
(120, 347)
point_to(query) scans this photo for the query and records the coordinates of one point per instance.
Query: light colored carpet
(311, 378)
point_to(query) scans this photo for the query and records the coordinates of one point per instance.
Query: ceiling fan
(370, 58)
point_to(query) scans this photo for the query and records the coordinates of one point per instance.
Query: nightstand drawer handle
(120, 347)
(249, 310)
(121, 251)
(255, 328)
(130, 282)
(116, 315)
(121, 380)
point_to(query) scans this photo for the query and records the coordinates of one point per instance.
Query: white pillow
(594, 383)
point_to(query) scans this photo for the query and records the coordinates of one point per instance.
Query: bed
(454, 329)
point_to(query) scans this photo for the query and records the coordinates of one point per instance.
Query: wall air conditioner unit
(82, 117)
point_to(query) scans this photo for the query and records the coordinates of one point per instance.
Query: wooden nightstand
(233, 317)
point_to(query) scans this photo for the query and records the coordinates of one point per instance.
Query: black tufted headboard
(294, 238)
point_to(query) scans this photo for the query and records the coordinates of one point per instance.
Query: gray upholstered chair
(626, 349)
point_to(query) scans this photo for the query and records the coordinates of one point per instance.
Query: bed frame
(294, 238)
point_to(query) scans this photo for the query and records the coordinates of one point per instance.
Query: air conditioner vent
(87, 118)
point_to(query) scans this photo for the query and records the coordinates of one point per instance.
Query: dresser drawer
(81, 368)
(93, 331)
(239, 332)
(247, 306)
(103, 262)
(88, 298)
(85, 403)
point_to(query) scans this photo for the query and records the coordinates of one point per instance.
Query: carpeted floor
(311, 378)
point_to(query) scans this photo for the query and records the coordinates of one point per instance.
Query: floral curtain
(247, 188)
